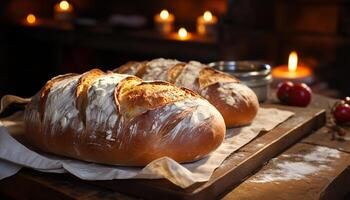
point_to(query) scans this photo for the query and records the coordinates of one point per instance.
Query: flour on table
(322, 154)
(304, 165)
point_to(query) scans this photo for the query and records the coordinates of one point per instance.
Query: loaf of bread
(119, 119)
(237, 103)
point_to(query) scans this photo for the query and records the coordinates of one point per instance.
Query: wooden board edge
(247, 167)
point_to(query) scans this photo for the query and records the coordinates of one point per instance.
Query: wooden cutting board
(233, 171)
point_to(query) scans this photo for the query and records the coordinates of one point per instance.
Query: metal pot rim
(250, 69)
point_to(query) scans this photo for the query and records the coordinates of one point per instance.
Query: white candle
(31, 19)
(292, 72)
(206, 24)
(63, 11)
(183, 34)
(164, 21)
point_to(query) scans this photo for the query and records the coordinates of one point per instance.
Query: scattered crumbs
(305, 164)
(239, 155)
(259, 145)
(286, 155)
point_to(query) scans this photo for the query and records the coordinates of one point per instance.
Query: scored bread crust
(209, 76)
(81, 91)
(127, 121)
(44, 92)
(133, 68)
(175, 71)
(237, 103)
(149, 96)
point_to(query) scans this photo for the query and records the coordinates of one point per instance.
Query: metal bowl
(255, 74)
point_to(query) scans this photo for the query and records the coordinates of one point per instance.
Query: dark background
(319, 30)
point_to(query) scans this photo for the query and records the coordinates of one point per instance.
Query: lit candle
(164, 21)
(63, 11)
(30, 19)
(183, 34)
(293, 71)
(206, 24)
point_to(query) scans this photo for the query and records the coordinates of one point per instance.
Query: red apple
(300, 95)
(283, 91)
(341, 113)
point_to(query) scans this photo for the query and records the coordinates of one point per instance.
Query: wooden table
(331, 182)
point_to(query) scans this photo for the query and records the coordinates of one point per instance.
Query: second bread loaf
(237, 103)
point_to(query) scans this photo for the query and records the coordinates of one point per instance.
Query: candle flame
(293, 61)
(164, 14)
(31, 19)
(182, 33)
(207, 16)
(64, 5)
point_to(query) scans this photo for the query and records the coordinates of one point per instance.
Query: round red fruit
(341, 113)
(299, 95)
(283, 91)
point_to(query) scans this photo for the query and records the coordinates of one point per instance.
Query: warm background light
(207, 16)
(164, 21)
(206, 24)
(63, 11)
(293, 61)
(182, 33)
(164, 14)
(64, 5)
(31, 19)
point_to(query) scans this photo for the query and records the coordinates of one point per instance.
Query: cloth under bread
(14, 155)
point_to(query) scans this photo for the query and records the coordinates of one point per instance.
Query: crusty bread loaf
(121, 120)
(237, 103)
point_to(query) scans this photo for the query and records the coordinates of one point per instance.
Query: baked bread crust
(119, 119)
(237, 103)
